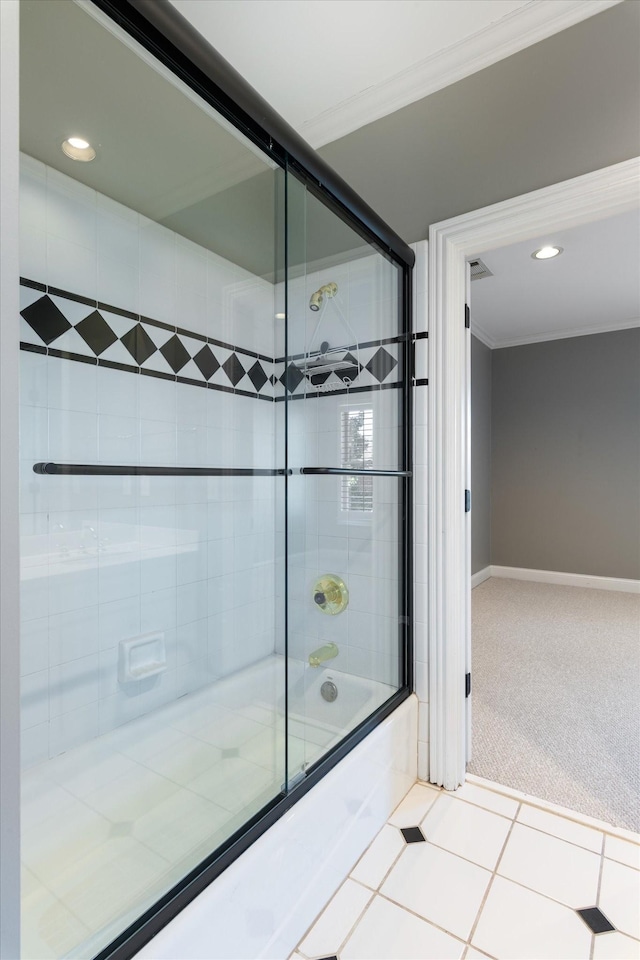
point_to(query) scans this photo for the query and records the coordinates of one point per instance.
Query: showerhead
(327, 290)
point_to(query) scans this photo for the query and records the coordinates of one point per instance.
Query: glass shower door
(346, 408)
(153, 695)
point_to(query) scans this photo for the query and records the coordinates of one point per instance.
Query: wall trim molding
(563, 579)
(480, 576)
(518, 29)
(584, 199)
(493, 344)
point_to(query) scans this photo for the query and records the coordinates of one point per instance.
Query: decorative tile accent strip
(72, 327)
(65, 325)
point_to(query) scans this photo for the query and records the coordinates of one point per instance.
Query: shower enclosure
(215, 471)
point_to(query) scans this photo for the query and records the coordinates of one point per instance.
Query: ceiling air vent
(479, 270)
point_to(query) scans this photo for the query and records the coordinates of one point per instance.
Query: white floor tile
(132, 795)
(340, 916)
(233, 784)
(561, 827)
(473, 954)
(622, 851)
(495, 802)
(48, 929)
(374, 863)
(620, 897)
(182, 826)
(551, 866)
(615, 946)
(388, 931)
(521, 925)
(438, 886)
(415, 806)
(469, 831)
(187, 759)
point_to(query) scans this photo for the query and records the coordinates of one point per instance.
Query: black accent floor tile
(381, 364)
(175, 353)
(257, 375)
(291, 377)
(413, 835)
(139, 344)
(595, 920)
(233, 369)
(46, 320)
(206, 362)
(96, 332)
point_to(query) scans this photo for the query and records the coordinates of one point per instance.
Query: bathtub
(321, 723)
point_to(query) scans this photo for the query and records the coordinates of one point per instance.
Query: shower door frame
(169, 38)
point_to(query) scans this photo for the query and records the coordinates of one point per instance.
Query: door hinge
(467, 684)
(467, 501)
(467, 316)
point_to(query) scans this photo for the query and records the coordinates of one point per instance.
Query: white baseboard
(480, 577)
(564, 579)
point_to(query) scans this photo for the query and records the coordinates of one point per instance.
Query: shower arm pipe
(120, 470)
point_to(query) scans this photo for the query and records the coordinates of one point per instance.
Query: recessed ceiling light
(77, 148)
(546, 253)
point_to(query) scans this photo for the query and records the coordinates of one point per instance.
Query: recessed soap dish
(141, 657)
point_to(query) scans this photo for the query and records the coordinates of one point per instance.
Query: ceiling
(331, 66)
(592, 287)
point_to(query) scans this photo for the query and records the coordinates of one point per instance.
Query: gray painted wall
(566, 455)
(480, 455)
(560, 108)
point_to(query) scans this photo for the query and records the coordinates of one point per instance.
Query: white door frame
(584, 199)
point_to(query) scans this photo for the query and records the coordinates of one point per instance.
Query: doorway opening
(555, 553)
(595, 196)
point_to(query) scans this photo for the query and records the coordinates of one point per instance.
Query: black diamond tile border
(413, 835)
(233, 369)
(595, 920)
(257, 376)
(139, 344)
(381, 364)
(291, 377)
(96, 332)
(206, 363)
(270, 379)
(175, 354)
(46, 320)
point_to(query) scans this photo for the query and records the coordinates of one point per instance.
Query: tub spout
(322, 654)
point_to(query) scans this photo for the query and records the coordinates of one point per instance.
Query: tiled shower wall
(362, 549)
(110, 558)
(107, 558)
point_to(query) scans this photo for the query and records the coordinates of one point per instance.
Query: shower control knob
(330, 594)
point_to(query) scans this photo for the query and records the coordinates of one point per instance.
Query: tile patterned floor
(485, 873)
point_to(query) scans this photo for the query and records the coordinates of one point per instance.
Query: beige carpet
(556, 695)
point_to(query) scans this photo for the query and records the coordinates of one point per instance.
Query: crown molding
(481, 334)
(566, 334)
(520, 28)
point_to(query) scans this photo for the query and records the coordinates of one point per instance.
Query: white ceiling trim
(555, 335)
(520, 28)
(481, 334)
